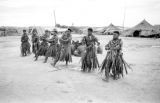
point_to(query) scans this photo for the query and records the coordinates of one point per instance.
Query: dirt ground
(22, 80)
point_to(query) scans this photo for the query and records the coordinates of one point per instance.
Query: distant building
(39, 29)
(143, 29)
(110, 29)
(8, 31)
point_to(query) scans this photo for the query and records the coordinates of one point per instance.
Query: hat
(90, 29)
(55, 30)
(46, 30)
(69, 29)
(24, 30)
(116, 32)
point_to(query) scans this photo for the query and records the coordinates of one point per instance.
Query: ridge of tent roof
(144, 25)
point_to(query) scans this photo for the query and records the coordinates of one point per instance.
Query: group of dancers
(60, 49)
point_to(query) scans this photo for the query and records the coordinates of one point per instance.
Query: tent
(97, 29)
(157, 27)
(143, 29)
(110, 29)
(39, 29)
(75, 30)
(61, 30)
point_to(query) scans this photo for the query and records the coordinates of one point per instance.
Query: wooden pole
(124, 14)
(55, 18)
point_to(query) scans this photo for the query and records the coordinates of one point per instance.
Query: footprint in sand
(59, 82)
(86, 98)
(64, 91)
(132, 64)
(90, 101)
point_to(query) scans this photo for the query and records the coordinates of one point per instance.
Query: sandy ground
(22, 80)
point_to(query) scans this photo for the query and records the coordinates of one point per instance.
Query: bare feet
(106, 79)
(53, 64)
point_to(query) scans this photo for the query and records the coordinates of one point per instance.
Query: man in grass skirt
(114, 63)
(25, 45)
(44, 45)
(89, 59)
(52, 50)
(35, 41)
(64, 50)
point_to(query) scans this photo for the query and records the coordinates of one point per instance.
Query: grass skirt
(35, 48)
(43, 49)
(114, 64)
(65, 54)
(52, 51)
(25, 48)
(89, 60)
(58, 54)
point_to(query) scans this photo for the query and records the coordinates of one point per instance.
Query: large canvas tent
(157, 27)
(143, 29)
(110, 29)
(39, 29)
(61, 30)
(75, 30)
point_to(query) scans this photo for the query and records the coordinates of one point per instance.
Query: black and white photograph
(79, 51)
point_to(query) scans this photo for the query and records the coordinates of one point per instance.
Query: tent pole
(124, 13)
(55, 18)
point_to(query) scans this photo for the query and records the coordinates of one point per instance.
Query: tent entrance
(136, 33)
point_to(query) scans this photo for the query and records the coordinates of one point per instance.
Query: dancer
(52, 49)
(114, 63)
(43, 46)
(99, 49)
(89, 59)
(35, 41)
(25, 45)
(64, 50)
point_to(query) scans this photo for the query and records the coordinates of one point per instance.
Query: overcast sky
(78, 12)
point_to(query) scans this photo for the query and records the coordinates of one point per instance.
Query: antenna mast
(124, 13)
(55, 18)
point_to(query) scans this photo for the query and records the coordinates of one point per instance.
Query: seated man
(99, 49)
(80, 51)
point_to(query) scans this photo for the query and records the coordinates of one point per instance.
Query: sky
(78, 12)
